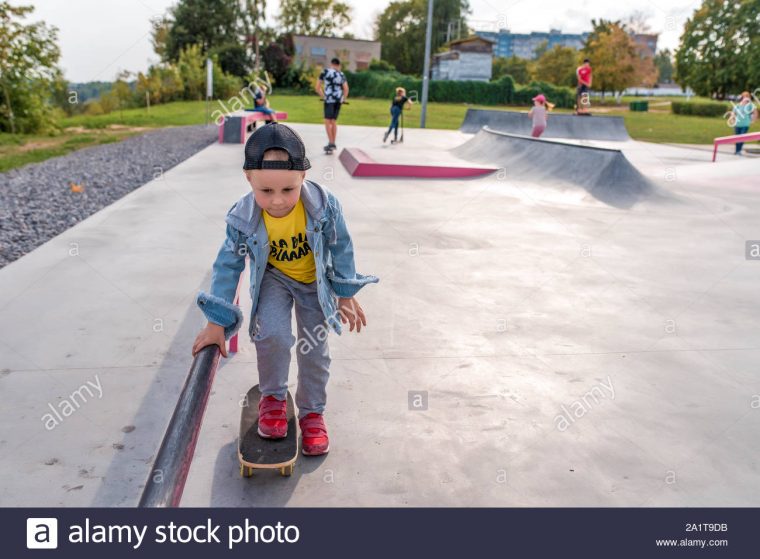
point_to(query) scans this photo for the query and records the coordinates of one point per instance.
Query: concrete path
(569, 353)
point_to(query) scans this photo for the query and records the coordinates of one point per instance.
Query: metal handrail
(169, 472)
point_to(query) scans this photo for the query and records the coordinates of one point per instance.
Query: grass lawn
(300, 108)
(673, 129)
(81, 131)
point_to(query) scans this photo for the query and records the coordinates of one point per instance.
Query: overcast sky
(98, 38)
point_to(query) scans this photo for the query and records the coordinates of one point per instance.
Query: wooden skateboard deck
(257, 452)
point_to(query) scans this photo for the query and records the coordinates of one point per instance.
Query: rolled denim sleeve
(344, 279)
(218, 304)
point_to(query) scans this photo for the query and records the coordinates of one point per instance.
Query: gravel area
(37, 201)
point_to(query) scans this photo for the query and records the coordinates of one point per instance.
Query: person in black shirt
(400, 100)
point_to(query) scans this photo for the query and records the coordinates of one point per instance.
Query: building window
(318, 51)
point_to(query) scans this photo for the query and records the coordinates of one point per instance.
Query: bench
(236, 125)
(735, 139)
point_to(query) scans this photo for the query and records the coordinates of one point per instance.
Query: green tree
(557, 66)
(253, 16)
(539, 51)
(28, 70)
(210, 24)
(720, 47)
(518, 68)
(614, 56)
(159, 35)
(191, 66)
(663, 60)
(121, 93)
(401, 30)
(313, 17)
(163, 83)
(233, 58)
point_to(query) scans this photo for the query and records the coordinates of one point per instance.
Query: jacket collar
(245, 215)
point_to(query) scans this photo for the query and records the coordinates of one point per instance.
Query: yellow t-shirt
(289, 251)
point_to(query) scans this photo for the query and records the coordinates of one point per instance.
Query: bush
(697, 108)
(232, 58)
(277, 62)
(191, 66)
(225, 85)
(376, 65)
(163, 84)
(93, 108)
(498, 92)
(561, 96)
(503, 91)
(300, 79)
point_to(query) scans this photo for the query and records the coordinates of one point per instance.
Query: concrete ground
(568, 353)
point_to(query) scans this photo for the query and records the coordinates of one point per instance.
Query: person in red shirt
(582, 102)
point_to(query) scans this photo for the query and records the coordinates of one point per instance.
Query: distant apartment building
(467, 59)
(354, 54)
(524, 45)
(647, 42)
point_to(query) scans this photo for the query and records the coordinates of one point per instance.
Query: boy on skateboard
(583, 73)
(332, 86)
(301, 255)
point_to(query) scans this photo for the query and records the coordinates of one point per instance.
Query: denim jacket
(247, 236)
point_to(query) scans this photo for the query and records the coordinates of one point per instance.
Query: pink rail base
(359, 164)
(248, 118)
(752, 137)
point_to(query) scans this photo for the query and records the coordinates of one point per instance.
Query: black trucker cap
(275, 136)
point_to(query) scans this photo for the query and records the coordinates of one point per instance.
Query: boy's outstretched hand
(210, 335)
(351, 313)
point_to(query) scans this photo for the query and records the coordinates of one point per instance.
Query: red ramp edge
(359, 164)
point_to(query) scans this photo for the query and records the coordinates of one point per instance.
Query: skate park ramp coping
(605, 173)
(359, 164)
(558, 125)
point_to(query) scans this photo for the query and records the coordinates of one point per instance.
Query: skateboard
(266, 454)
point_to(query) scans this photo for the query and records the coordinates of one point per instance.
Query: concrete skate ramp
(605, 173)
(558, 126)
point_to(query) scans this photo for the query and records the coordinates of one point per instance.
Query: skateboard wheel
(246, 472)
(286, 470)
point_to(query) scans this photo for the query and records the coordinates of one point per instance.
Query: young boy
(300, 253)
(261, 104)
(583, 73)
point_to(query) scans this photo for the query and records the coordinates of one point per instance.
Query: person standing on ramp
(583, 74)
(539, 114)
(332, 87)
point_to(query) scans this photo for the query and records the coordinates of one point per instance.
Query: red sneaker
(273, 418)
(314, 435)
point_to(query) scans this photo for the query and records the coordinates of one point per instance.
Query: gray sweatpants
(273, 337)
